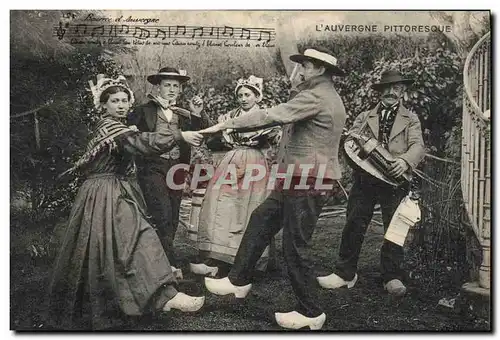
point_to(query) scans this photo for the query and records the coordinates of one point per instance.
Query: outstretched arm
(303, 106)
(150, 143)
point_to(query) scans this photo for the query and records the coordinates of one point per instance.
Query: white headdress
(253, 82)
(103, 84)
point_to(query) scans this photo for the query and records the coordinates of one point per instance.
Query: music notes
(159, 33)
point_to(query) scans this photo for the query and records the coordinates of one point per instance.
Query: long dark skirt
(111, 262)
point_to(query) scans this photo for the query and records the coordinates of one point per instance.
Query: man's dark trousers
(365, 193)
(297, 213)
(163, 203)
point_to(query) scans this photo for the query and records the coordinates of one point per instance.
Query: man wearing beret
(313, 119)
(399, 132)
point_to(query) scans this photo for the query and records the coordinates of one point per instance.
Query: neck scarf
(164, 103)
(103, 138)
(387, 115)
(387, 111)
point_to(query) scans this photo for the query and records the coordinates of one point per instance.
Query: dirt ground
(366, 307)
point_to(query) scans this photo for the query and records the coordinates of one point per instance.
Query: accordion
(372, 157)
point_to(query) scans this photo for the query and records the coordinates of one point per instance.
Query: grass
(366, 307)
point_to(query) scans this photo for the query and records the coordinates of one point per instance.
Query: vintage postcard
(250, 170)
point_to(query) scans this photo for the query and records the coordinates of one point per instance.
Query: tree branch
(25, 113)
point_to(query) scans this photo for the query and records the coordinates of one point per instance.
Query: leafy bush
(359, 53)
(435, 95)
(64, 120)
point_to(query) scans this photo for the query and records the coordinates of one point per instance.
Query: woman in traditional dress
(226, 209)
(111, 263)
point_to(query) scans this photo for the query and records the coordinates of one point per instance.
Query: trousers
(365, 193)
(297, 215)
(163, 205)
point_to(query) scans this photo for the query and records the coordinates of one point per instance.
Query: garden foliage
(59, 85)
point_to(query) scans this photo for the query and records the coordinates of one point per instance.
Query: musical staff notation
(82, 30)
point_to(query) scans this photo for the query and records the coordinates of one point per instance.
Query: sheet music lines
(83, 30)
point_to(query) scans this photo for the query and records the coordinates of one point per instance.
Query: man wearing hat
(163, 202)
(313, 119)
(399, 131)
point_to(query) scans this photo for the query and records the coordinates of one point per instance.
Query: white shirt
(167, 114)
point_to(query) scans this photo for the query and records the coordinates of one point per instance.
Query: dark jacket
(405, 140)
(145, 117)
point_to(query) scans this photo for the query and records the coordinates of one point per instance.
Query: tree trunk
(287, 44)
(35, 183)
(464, 33)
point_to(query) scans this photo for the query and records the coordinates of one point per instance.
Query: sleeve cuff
(410, 165)
(177, 135)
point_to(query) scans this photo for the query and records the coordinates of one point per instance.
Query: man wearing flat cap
(163, 202)
(313, 120)
(399, 132)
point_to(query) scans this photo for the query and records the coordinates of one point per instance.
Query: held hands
(196, 137)
(398, 167)
(196, 105)
(192, 137)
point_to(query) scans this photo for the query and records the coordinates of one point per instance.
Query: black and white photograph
(250, 170)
